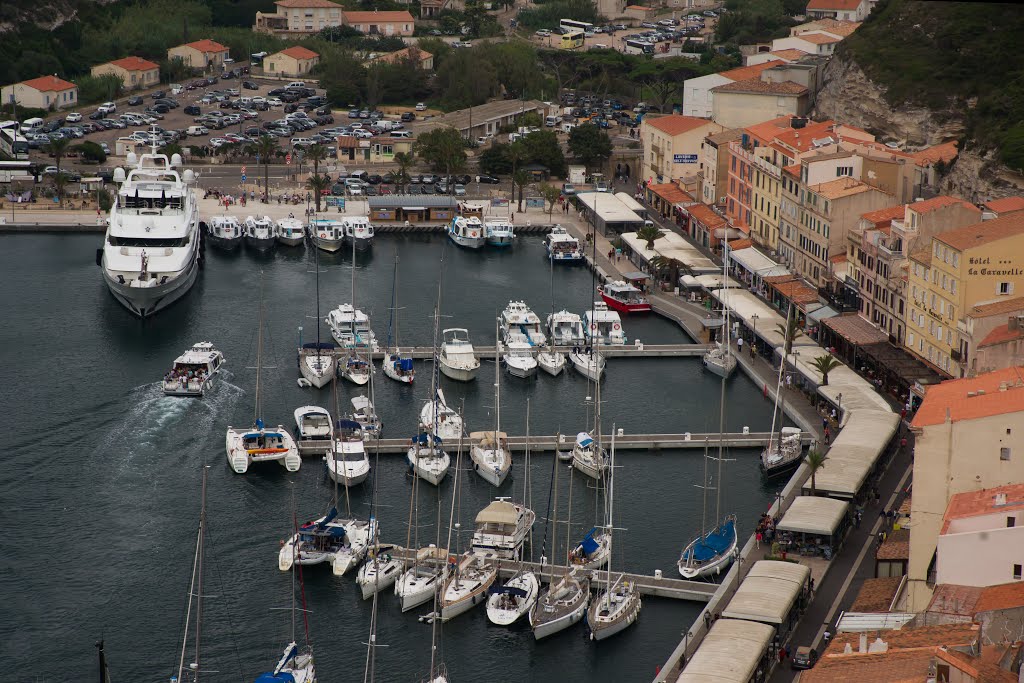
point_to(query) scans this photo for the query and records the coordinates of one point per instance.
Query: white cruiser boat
(350, 327)
(603, 326)
(501, 529)
(151, 250)
(313, 429)
(427, 459)
(289, 231)
(566, 329)
(439, 419)
(563, 247)
(509, 602)
(358, 232)
(467, 231)
(419, 583)
(458, 361)
(518, 322)
(563, 604)
(378, 572)
(499, 233)
(467, 586)
(365, 414)
(347, 463)
(193, 371)
(491, 458)
(591, 365)
(519, 359)
(551, 361)
(588, 457)
(342, 543)
(327, 234)
(224, 232)
(260, 233)
(355, 369)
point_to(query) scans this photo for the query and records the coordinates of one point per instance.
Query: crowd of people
(185, 376)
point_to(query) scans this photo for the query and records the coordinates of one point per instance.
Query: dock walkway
(623, 351)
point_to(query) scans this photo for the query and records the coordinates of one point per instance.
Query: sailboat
(491, 457)
(719, 359)
(784, 451)
(587, 454)
(714, 549)
(588, 362)
(347, 463)
(618, 606)
(365, 414)
(439, 419)
(381, 568)
(191, 671)
(548, 359)
(418, 583)
(316, 360)
(396, 366)
(351, 328)
(260, 443)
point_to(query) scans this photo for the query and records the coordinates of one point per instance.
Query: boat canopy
(269, 435)
(347, 424)
(424, 439)
(405, 363)
(321, 345)
(489, 438)
(269, 677)
(498, 512)
(583, 439)
(588, 544)
(716, 542)
(507, 590)
(331, 514)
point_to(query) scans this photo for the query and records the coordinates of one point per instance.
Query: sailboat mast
(526, 475)
(259, 355)
(316, 265)
(197, 573)
(497, 383)
(611, 524)
(554, 515)
(721, 398)
(779, 393)
(704, 491)
(199, 578)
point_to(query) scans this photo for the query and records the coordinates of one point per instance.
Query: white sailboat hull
(602, 628)
(241, 458)
(373, 579)
(416, 589)
(587, 466)
(391, 372)
(550, 628)
(551, 362)
(493, 474)
(723, 366)
(317, 370)
(506, 616)
(590, 367)
(430, 468)
(348, 472)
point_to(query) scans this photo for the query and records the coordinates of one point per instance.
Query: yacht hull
(467, 242)
(146, 301)
(362, 243)
(721, 368)
(412, 596)
(624, 307)
(553, 364)
(521, 371)
(226, 243)
(260, 243)
(324, 376)
(458, 374)
(327, 244)
(291, 241)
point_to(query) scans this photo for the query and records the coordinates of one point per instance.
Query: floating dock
(623, 351)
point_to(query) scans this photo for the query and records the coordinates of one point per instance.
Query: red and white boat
(624, 297)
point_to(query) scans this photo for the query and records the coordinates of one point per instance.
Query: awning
(820, 314)
(728, 233)
(814, 514)
(855, 329)
(852, 622)
(752, 260)
(688, 281)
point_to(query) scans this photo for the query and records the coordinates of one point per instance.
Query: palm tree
(825, 364)
(649, 233)
(815, 460)
(316, 154)
(551, 195)
(317, 184)
(266, 147)
(404, 161)
(521, 179)
(60, 182)
(789, 331)
(57, 149)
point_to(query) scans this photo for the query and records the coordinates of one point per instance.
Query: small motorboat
(507, 603)
(259, 233)
(427, 459)
(519, 359)
(458, 360)
(358, 232)
(467, 231)
(225, 232)
(365, 414)
(499, 233)
(327, 234)
(193, 371)
(347, 463)
(289, 231)
(313, 429)
(624, 297)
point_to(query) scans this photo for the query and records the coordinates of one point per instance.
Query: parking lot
(669, 28)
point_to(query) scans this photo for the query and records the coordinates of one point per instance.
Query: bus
(638, 47)
(13, 144)
(15, 170)
(572, 39)
(572, 25)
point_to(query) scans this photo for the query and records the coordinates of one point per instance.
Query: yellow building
(959, 269)
(134, 72)
(200, 54)
(45, 92)
(299, 17)
(291, 62)
(672, 146)
(745, 103)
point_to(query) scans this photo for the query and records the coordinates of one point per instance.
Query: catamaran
(225, 232)
(193, 371)
(396, 366)
(458, 360)
(467, 231)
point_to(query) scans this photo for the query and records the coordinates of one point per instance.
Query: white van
(196, 131)
(296, 84)
(401, 134)
(551, 121)
(359, 175)
(31, 125)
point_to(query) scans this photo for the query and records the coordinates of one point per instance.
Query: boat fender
(615, 326)
(99, 256)
(476, 467)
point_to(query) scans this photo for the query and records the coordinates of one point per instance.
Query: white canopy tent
(769, 592)
(814, 515)
(729, 653)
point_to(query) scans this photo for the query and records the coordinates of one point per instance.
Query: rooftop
(676, 124)
(973, 398)
(1005, 205)
(1002, 335)
(941, 202)
(135, 64)
(670, 192)
(884, 216)
(705, 216)
(790, 53)
(950, 635)
(841, 187)
(725, 136)
(299, 52)
(837, 26)
(819, 38)
(922, 255)
(944, 152)
(855, 329)
(986, 501)
(403, 54)
(206, 45)
(876, 595)
(1001, 307)
(979, 234)
(895, 547)
(377, 17)
(838, 5)
(745, 72)
(48, 84)
(491, 111)
(307, 3)
(759, 87)
(967, 601)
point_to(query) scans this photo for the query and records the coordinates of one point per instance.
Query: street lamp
(753, 319)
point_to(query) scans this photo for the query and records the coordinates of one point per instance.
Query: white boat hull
(146, 301)
(389, 369)
(493, 475)
(373, 579)
(589, 367)
(260, 243)
(517, 368)
(587, 467)
(458, 374)
(239, 458)
(467, 242)
(552, 363)
(414, 590)
(427, 469)
(719, 366)
(550, 628)
(506, 616)
(188, 389)
(600, 629)
(331, 245)
(294, 241)
(318, 371)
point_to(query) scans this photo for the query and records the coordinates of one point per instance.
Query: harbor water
(102, 474)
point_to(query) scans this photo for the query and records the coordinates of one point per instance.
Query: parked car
(803, 658)
(158, 95)
(420, 106)
(487, 180)
(249, 85)
(73, 117)
(107, 108)
(408, 116)
(460, 190)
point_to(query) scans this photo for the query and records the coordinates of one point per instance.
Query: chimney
(863, 646)
(878, 645)
(1000, 499)
(1012, 323)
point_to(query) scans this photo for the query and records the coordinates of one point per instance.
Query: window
(1004, 454)
(1016, 572)
(1004, 288)
(1011, 522)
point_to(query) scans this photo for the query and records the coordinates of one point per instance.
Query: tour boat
(350, 327)
(259, 233)
(562, 605)
(507, 603)
(378, 572)
(603, 326)
(289, 231)
(502, 528)
(313, 429)
(593, 551)
(519, 359)
(491, 458)
(519, 322)
(396, 366)
(499, 233)
(588, 457)
(590, 363)
(563, 247)
(365, 414)
(153, 246)
(224, 232)
(566, 329)
(427, 459)
(551, 361)
(624, 297)
(347, 463)
(467, 231)
(358, 232)
(193, 371)
(467, 586)
(457, 359)
(441, 420)
(327, 233)
(342, 543)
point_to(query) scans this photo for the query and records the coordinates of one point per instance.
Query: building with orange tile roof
(744, 73)
(837, 27)
(200, 54)
(819, 42)
(45, 92)
(715, 165)
(844, 10)
(672, 146)
(698, 95)
(134, 72)
(292, 62)
(299, 17)
(967, 438)
(995, 332)
(424, 60)
(1001, 207)
(389, 23)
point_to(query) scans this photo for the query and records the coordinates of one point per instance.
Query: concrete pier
(623, 351)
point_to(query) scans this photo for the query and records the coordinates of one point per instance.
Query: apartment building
(299, 17)
(714, 173)
(698, 99)
(672, 146)
(982, 525)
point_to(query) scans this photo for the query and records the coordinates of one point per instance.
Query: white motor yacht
(519, 358)
(355, 369)
(378, 572)
(458, 361)
(591, 365)
(467, 231)
(563, 247)
(350, 327)
(519, 322)
(289, 231)
(152, 247)
(501, 529)
(588, 458)
(491, 458)
(427, 459)
(563, 604)
(603, 326)
(566, 329)
(365, 414)
(193, 371)
(441, 420)
(225, 232)
(467, 586)
(509, 602)
(347, 463)
(260, 233)
(327, 234)
(358, 232)
(313, 428)
(499, 233)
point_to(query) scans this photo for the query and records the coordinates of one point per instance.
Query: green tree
(442, 148)
(60, 182)
(521, 179)
(815, 461)
(789, 331)
(99, 88)
(825, 364)
(466, 80)
(495, 159)
(405, 162)
(590, 145)
(58, 149)
(315, 154)
(543, 148)
(265, 148)
(551, 195)
(318, 184)
(169, 149)
(91, 152)
(650, 233)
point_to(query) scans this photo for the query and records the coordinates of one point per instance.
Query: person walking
(758, 540)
